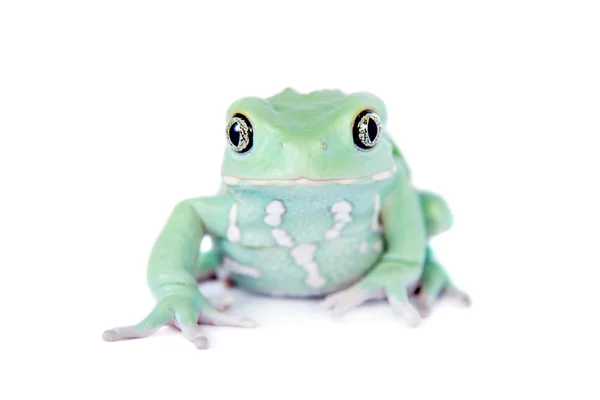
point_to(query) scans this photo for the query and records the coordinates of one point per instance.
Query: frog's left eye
(366, 130)
(239, 133)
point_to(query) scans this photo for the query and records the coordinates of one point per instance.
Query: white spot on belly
(272, 220)
(275, 207)
(364, 246)
(233, 231)
(304, 253)
(274, 216)
(341, 214)
(234, 267)
(275, 211)
(375, 227)
(304, 256)
(282, 238)
(332, 233)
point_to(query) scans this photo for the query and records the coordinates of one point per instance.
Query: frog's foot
(185, 312)
(387, 281)
(344, 301)
(222, 303)
(436, 283)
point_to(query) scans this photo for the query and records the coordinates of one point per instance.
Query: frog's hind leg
(437, 214)
(434, 283)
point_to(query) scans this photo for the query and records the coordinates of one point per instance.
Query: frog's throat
(379, 176)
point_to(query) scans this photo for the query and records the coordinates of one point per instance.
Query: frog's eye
(366, 130)
(239, 133)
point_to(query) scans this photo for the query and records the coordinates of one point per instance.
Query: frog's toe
(221, 303)
(454, 293)
(424, 305)
(344, 301)
(407, 311)
(126, 332)
(201, 343)
(157, 318)
(194, 334)
(221, 319)
(398, 299)
(429, 295)
(110, 335)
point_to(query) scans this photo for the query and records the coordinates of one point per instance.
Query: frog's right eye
(366, 130)
(239, 133)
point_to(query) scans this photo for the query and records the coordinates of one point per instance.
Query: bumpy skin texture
(303, 213)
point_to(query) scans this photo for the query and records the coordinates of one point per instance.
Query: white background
(111, 112)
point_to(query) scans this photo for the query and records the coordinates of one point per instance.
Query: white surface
(111, 112)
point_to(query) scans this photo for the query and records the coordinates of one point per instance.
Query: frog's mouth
(302, 181)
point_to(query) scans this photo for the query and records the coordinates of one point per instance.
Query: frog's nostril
(324, 146)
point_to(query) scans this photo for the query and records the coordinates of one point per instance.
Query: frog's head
(307, 139)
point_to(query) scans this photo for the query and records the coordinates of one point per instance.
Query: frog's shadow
(269, 310)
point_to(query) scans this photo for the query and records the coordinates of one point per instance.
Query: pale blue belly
(314, 241)
(339, 263)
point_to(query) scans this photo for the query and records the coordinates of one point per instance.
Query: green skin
(304, 213)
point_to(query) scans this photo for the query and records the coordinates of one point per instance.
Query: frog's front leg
(172, 271)
(402, 262)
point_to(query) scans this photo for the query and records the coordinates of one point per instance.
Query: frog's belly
(308, 269)
(302, 240)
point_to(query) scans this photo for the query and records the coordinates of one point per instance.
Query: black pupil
(234, 133)
(372, 129)
(238, 137)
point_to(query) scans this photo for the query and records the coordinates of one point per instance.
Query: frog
(316, 202)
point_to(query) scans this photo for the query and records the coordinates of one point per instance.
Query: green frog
(316, 201)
